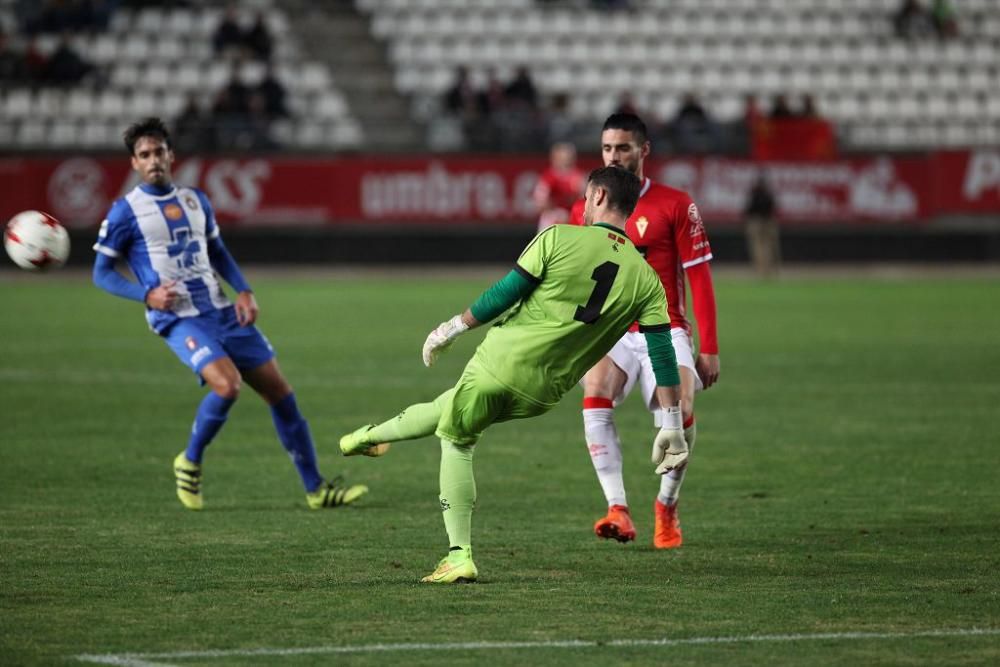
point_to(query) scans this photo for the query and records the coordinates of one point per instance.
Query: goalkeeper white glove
(670, 450)
(441, 338)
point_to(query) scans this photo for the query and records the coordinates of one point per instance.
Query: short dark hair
(147, 127)
(628, 122)
(621, 185)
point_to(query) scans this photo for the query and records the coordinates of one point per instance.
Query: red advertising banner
(463, 190)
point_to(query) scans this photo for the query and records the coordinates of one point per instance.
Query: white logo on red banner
(76, 191)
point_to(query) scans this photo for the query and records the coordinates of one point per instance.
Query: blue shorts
(200, 340)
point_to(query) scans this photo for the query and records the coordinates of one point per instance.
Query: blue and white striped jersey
(163, 234)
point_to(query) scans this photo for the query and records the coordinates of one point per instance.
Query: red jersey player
(667, 228)
(559, 186)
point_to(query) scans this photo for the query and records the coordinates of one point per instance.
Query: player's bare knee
(227, 387)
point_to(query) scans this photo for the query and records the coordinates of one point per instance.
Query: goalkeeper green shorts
(479, 400)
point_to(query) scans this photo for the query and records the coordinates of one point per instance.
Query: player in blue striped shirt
(168, 236)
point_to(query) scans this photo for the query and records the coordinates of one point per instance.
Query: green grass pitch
(843, 504)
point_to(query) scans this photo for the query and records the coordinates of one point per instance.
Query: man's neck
(153, 189)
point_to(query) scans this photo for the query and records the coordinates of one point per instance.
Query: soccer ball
(36, 241)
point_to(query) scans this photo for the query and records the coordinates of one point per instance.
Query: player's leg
(195, 344)
(607, 382)
(667, 533)
(293, 432)
(457, 496)
(416, 421)
(476, 402)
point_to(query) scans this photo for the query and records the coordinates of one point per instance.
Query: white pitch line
(142, 659)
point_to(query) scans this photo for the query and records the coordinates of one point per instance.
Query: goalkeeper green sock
(458, 492)
(417, 421)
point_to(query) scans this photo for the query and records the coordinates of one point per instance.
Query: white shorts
(632, 356)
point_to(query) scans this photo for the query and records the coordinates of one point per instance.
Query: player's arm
(113, 242)
(703, 298)
(516, 285)
(223, 263)
(500, 296)
(109, 280)
(670, 450)
(695, 254)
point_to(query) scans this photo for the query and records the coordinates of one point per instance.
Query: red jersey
(667, 229)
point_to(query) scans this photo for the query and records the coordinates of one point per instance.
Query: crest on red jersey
(694, 217)
(641, 224)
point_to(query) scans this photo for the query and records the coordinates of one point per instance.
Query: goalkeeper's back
(592, 284)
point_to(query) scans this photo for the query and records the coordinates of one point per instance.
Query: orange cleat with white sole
(617, 525)
(667, 534)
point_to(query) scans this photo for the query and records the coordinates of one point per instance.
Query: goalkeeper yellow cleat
(355, 443)
(455, 568)
(333, 494)
(188, 475)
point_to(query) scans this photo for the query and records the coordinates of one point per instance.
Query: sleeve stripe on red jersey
(699, 260)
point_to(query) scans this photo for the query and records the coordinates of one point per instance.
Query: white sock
(605, 452)
(670, 484)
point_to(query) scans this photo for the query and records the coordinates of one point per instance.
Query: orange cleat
(668, 527)
(617, 525)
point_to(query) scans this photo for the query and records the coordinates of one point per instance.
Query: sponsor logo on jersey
(191, 343)
(697, 224)
(642, 223)
(173, 212)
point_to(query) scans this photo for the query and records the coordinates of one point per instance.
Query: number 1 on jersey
(604, 275)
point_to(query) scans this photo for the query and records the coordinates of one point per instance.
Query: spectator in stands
(808, 107)
(611, 5)
(945, 19)
(763, 242)
(237, 94)
(258, 39)
(192, 129)
(461, 98)
(65, 66)
(692, 129)
(64, 15)
(627, 105)
(140, 4)
(521, 90)
(12, 66)
(228, 36)
(35, 62)
(780, 107)
(562, 125)
(257, 135)
(911, 20)
(491, 99)
(274, 94)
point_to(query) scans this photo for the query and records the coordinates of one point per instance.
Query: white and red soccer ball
(36, 241)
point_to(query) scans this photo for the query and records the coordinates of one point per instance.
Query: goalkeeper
(572, 294)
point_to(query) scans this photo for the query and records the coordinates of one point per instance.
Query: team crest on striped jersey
(173, 212)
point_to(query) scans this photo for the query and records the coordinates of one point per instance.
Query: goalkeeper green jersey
(592, 284)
